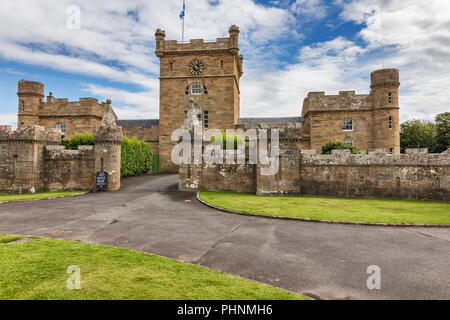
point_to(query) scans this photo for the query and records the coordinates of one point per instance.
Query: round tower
(234, 38)
(386, 122)
(107, 150)
(30, 95)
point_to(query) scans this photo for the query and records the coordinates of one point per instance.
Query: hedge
(232, 140)
(137, 158)
(82, 139)
(339, 145)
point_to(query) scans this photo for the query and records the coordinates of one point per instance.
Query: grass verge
(336, 209)
(34, 196)
(38, 270)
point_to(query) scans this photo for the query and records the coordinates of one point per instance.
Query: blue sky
(290, 47)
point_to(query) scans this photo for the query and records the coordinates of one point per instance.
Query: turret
(108, 140)
(234, 38)
(386, 122)
(160, 36)
(30, 95)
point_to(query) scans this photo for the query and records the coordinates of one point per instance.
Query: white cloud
(415, 35)
(310, 9)
(8, 119)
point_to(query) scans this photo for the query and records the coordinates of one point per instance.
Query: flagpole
(184, 10)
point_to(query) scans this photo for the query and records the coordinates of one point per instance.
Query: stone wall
(32, 160)
(414, 175)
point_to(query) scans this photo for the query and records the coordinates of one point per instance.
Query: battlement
(171, 47)
(344, 101)
(30, 134)
(385, 78)
(30, 88)
(412, 157)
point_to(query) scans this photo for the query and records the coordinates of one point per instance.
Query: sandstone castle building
(208, 73)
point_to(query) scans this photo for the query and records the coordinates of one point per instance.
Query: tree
(339, 145)
(418, 134)
(442, 132)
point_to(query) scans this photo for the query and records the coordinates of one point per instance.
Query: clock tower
(204, 71)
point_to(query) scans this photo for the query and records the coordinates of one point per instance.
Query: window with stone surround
(61, 126)
(205, 90)
(390, 97)
(391, 151)
(23, 105)
(206, 119)
(347, 125)
(186, 92)
(391, 123)
(196, 88)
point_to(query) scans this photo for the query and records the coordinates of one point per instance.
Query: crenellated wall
(32, 160)
(414, 175)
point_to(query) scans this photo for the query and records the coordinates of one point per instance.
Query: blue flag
(183, 12)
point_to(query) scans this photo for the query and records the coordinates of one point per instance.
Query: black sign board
(101, 181)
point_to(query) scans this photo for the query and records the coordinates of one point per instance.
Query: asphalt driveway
(321, 260)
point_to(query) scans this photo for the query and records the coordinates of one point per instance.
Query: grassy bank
(38, 270)
(34, 196)
(337, 209)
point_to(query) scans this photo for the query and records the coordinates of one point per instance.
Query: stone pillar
(108, 141)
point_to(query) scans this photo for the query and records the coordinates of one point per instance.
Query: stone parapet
(30, 134)
(413, 157)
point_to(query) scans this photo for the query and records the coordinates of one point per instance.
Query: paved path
(322, 260)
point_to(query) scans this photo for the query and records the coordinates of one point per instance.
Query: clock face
(196, 67)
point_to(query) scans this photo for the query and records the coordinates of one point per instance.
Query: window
(61, 126)
(205, 119)
(23, 105)
(196, 88)
(221, 64)
(186, 92)
(391, 123)
(198, 112)
(390, 97)
(391, 151)
(349, 140)
(347, 125)
(205, 90)
(171, 66)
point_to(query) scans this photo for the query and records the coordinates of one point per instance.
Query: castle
(209, 72)
(200, 80)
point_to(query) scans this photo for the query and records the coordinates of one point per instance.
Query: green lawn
(362, 210)
(44, 195)
(38, 270)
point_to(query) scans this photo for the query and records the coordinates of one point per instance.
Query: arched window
(22, 104)
(205, 90)
(349, 140)
(196, 88)
(186, 92)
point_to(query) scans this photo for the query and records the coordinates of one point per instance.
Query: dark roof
(273, 122)
(145, 123)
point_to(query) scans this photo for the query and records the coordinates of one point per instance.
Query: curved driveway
(321, 260)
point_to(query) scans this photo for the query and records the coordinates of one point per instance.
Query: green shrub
(137, 158)
(82, 139)
(339, 145)
(231, 139)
